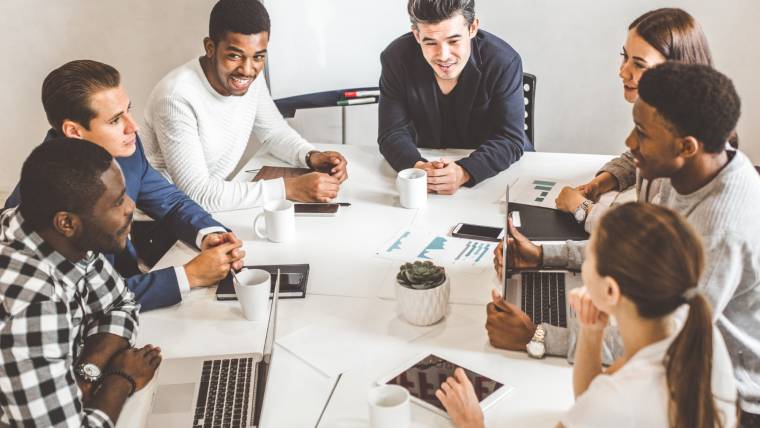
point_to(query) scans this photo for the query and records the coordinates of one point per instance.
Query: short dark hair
(696, 100)
(237, 16)
(66, 91)
(435, 11)
(62, 174)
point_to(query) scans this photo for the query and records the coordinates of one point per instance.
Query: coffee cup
(389, 407)
(412, 187)
(279, 221)
(252, 287)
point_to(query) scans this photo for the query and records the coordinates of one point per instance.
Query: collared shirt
(48, 307)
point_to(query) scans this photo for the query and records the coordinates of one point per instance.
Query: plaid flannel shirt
(48, 307)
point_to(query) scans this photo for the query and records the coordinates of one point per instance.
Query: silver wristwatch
(89, 372)
(582, 210)
(536, 347)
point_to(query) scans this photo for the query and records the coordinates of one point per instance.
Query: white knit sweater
(195, 137)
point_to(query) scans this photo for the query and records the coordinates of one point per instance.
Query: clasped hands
(444, 176)
(323, 184)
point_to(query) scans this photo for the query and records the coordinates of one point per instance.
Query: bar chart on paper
(540, 192)
(412, 245)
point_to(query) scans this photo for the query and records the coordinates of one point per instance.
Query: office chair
(529, 89)
(290, 105)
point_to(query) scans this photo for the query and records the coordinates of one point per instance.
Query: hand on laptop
(458, 398)
(140, 364)
(508, 327)
(213, 264)
(312, 187)
(330, 162)
(522, 253)
(589, 317)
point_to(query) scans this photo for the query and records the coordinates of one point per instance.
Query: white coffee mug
(389, 407)
(252, 288)
(412, 187)
(279, 219)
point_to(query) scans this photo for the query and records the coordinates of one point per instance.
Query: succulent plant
(421, 275)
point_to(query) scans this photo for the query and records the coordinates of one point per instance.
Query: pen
(358, 94)
(328, 400)
(354, 101)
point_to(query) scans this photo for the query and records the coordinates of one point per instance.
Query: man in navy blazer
(85, 99)
(449, 85)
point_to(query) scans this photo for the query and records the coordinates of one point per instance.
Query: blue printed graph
(438, 243)
(396, 246)
(543, 187)
(473, 252)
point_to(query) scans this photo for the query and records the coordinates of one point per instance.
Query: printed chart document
(409, 245)
(539, 192)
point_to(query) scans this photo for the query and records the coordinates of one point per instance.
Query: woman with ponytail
(642, 264)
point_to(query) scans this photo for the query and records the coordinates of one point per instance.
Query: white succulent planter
(424, 307)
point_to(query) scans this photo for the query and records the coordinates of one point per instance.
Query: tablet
(425, 374)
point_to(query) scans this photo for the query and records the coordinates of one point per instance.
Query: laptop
(215, 391)
(540, 293)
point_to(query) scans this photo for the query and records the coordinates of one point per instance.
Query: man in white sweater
(200, 117)
(683, 117)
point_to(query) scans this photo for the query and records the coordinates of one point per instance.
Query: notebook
(545, 224)
(293, 281)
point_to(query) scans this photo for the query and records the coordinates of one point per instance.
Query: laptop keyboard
(224, 393)
(543, 297)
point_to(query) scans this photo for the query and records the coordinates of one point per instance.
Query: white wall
(572, 46)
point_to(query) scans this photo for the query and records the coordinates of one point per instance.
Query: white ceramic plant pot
(424, 307)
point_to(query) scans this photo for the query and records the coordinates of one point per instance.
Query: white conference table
(349, 322)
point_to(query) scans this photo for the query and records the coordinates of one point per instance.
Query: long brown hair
(675, 34)
(655, 256)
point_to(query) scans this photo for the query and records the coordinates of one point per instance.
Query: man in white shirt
(200, 117)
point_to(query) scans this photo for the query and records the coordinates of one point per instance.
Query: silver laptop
(542, 294)
(215, 391)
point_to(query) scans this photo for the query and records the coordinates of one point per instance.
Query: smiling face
(232, 64)
(446, 45)
(656, 148)
(113, 126)
(638, 56)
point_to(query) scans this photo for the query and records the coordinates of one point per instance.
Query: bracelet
(125, 376)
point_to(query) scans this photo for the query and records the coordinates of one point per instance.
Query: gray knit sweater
(726, 213)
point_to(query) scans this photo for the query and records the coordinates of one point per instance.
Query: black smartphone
(316, 209)
(474, 231)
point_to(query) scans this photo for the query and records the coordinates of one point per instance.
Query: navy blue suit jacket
(161, 200)
(490, 116)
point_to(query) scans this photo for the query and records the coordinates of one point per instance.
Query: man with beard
(68, 323)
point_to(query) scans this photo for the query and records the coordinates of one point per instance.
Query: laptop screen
(505, 241)
(263, 372)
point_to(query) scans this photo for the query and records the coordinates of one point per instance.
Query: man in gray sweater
(683, 118)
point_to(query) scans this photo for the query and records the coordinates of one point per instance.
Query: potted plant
(422, 291)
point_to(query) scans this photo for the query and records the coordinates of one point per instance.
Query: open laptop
(215, 391)
(540, 293)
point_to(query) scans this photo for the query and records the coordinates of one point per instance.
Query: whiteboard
(321, 45)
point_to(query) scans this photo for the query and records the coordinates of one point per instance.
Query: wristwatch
(89, 372)
(536, 347)
(582, 211)
(308, 158)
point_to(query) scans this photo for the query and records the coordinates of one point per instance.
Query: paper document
(411, 245)
(540, 192)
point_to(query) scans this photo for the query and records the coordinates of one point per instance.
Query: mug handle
(255, 226)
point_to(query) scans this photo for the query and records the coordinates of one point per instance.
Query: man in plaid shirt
(67, 320)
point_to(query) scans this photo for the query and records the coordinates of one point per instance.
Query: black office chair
(529, 89)
(288, 106)
(757, 167)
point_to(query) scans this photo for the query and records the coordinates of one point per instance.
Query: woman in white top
(643, 262)
(660, 35)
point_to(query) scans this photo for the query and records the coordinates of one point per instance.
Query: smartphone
(474, 231)
(316, 209)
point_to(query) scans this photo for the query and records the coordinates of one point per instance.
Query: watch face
(536, 349)
(91, 370)
(580, 214)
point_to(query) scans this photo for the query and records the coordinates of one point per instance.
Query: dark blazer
(161, 200)
(491, 115)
